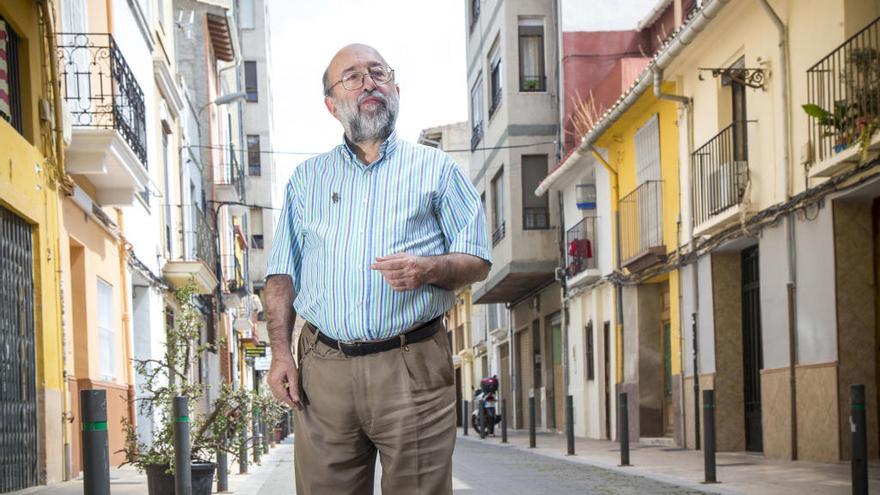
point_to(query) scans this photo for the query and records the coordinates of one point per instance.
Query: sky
(423, 41)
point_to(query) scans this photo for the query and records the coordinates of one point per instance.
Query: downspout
(126, 316)
(791, 285)
(511, 358)
(658, 91)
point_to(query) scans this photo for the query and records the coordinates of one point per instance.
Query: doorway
(556, 366)
(752, 351)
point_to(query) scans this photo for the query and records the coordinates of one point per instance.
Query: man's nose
(369, 83)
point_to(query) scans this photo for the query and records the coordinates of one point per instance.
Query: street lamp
(223, 100)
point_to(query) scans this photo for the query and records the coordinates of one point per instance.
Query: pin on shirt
(335, 197)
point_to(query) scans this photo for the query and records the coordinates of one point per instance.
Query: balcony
(843, 91)
(106, 107)
(719, 175)
(581, 255)
(498, 234)
(229, 180)
(198, 260)
(641, 227)
(476, 135)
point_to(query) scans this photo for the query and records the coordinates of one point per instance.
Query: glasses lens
(353, 80)
(380, 75)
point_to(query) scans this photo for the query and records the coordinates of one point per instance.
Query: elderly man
(374, 237)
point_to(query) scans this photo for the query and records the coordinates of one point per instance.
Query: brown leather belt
(364, 347)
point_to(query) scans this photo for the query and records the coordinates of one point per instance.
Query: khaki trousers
(398, 403)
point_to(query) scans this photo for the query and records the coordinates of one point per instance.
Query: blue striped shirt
(339, 215)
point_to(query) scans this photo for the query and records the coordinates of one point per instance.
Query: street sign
(256, 351)
(263, 363)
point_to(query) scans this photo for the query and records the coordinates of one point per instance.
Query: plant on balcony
(168, 377)
(839, 124)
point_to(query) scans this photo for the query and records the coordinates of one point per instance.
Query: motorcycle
(485, 402)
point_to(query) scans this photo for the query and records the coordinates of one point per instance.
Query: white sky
(422, 40)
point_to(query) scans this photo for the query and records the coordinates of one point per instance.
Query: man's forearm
(454, 270)
(280, 316)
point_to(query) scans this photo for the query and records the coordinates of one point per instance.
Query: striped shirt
(339, 215)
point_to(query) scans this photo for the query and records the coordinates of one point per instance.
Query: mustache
(373, 94)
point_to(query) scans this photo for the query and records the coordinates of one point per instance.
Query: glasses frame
(363, 79)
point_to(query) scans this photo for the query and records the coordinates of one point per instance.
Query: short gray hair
(326, 81)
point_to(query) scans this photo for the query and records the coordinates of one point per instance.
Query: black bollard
(242, 451)
(481, 415)
(623, 429)
(859, 439)
(95, 446)
(709, 435)
(182, 471)
(222, 465)
(266, 433)
(257, 438)
(503, 420)
(569, 423)
(532, 440)
(464, 416)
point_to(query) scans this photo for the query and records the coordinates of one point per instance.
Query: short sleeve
(285, 256)
(461, 215)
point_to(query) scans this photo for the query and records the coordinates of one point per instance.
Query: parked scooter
(484, 401)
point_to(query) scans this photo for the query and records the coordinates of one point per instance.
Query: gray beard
(360, 126)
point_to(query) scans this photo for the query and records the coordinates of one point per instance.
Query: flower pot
(161, 483)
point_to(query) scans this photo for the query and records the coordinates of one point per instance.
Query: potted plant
(166, 378)
(839, 124)
(270, 410)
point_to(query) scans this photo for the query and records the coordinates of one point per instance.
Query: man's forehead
(355, 56)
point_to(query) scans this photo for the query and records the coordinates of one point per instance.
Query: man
(373, 239)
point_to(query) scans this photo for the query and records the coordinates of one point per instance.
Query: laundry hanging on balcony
(580, 248)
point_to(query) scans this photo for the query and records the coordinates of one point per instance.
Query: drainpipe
(658, 92)
(126, 316)
(511, 358)
(791, 285)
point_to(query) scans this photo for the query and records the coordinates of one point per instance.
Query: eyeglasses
(354, 80)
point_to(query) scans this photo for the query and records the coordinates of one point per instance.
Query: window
(160, 12)
(494, 78)
(498, 207)
(254, 156)
(477, 111)
(250, 80)
(256, 224)
(166, 162)
(647, 140)
(536, 212)
(10, 79)
(475, 12)
(106, 332)
(246, 18)
(531, 55)
(591, 374)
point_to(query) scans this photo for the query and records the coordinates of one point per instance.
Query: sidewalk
(736, 472)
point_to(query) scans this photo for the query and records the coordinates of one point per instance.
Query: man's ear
(331, 107)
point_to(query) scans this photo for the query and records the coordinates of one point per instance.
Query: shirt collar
(388, 147)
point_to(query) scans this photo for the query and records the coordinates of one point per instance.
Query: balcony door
(738, 106)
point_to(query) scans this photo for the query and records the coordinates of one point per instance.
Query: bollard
(859, 439)
(532, 441)
(709, 435)
(222, 465)
(481, 416)
(182, 471)
(242, 452)
(95, 446)
(569, 423)
(503, 420)
(464, 416)
(623, 429)
(257, 438)
(265, 430)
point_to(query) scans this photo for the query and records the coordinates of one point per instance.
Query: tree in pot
(171, 376)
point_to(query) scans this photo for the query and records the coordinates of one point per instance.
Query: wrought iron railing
(581, 247)
(100, 89)
(231, 173)
(844, 90)
(536, 218)
(532, 83)
(720, 172)
(199, 240)
(476, 135)
(641, 220)
(498, 234)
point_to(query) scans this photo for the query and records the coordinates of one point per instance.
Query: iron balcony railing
(532, 83)
(476, 135)
(100, 89)
(845, 86)
(720, 172)
(498, 234)
(641, 220)
(231, 173)
(580, 247)
(536, 218)
(199, 238)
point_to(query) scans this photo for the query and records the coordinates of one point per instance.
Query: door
(537, 371)
(752, 352)
(558, 388)
(18, 403)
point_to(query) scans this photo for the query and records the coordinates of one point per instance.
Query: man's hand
(404, 271)
(283, 379)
